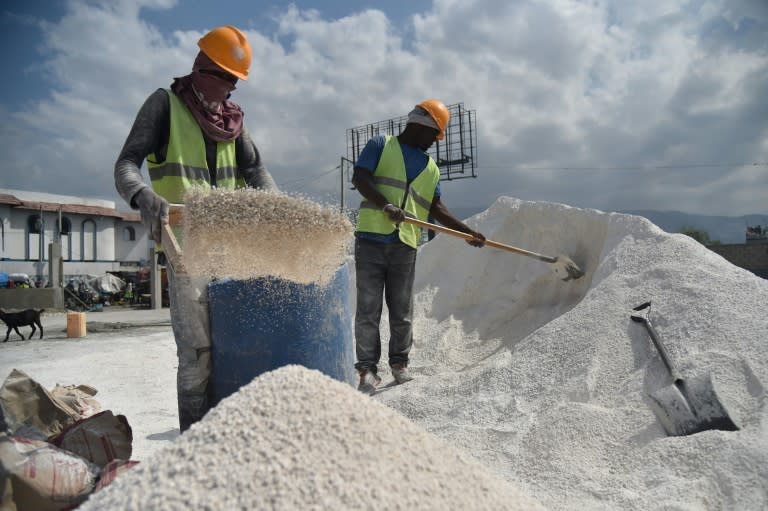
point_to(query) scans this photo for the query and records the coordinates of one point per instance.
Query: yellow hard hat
(439, 113)
(229, 49)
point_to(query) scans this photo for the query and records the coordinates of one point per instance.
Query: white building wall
(5, 228)
(90, 239)
(127, 250)
(20, 250)
(15, 236)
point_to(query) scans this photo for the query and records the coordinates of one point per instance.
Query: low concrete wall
(752, 257)
(32, 298)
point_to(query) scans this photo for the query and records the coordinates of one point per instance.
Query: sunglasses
(220, 74)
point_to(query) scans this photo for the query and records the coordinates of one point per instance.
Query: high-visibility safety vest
(185, 165)
(391, 181)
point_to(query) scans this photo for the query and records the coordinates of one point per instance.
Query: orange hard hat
(439, 113)
(229, 49)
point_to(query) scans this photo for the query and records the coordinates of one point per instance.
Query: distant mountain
(725, 229)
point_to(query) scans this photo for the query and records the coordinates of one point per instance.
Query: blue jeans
(383, 270)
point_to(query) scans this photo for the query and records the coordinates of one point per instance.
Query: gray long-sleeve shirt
(149, 134)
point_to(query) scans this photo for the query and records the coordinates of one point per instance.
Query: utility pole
(55, 260)
(341, 167)
(41, 237)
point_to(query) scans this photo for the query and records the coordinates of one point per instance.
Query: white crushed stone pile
(249, 233)
(295, 439)
(547, 382)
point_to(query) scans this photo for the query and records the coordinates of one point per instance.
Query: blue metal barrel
(262, 324)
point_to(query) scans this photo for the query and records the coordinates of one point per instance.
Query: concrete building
(95, 237)
(752, 255)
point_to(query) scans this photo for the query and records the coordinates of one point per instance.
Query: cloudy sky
(607, 104)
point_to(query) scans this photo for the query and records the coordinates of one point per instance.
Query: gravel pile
(249, 233)
(295, 439)
(548, 382)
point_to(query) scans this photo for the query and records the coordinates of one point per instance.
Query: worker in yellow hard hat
(396, 177)
(192, 135)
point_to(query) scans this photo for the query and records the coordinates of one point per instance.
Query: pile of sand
(250, 233)
(295, 439)
(548, 382)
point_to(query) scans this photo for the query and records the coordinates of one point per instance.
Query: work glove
(154, 211)
(394, 213)
(479, 240)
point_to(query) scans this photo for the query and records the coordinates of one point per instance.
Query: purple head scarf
(206, 95)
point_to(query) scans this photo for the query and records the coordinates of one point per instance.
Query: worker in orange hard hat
(438, 116)
(396, 177)
(229, 49)
(192, 135)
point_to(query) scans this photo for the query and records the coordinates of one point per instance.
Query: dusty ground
(128, 355)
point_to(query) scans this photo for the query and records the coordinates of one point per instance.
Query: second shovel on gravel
(689, 405)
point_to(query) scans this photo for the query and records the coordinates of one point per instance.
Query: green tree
(698, 234)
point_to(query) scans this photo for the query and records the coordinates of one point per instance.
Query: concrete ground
(128, 355)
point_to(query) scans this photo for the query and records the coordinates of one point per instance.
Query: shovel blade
(566, 269)
(691, 406)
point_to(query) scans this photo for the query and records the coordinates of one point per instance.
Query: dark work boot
(400, 373)
(368, 382)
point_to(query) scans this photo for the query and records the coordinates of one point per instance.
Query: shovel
(563, 265)
(169, 243)
(687, 406)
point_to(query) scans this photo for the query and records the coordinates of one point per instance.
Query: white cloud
(555, 84)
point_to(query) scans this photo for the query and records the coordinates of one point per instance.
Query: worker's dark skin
(414, 135)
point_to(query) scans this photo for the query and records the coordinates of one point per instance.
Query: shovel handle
(175, 214)
(469, 237)
(172, 248)
(646, 321)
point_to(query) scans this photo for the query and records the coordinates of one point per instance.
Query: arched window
(34, 224)
(129, 234)
(35, 238)
(88, 240)
(66, 226)
(65, 237)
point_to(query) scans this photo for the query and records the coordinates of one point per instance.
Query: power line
(311, 178)
(315, 177)
(635, 167)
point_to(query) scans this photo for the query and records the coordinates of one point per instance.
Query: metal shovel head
(566, 269)
(691, 406)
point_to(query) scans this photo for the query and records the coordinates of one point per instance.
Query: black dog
(14, 320)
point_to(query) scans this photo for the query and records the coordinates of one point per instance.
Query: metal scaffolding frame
(455, 155)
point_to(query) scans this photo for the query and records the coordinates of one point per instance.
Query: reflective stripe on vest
(390, 180)
(185, 165)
